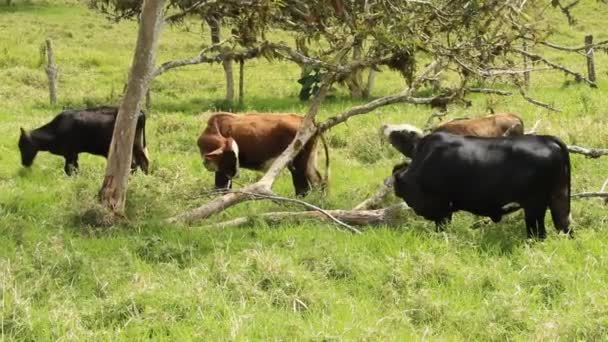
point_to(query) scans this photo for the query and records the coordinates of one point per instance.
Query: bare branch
(178, 16)
(524, 94)
(404, 96)
(536, 57)
(202, 58)
(589, 152)
(488, 91)
(575, 49)
(488, 73)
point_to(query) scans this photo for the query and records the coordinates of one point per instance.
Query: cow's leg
(71, 164)
(535, 221)
(540, 222)
(530, 222)
(222, 181)
(300, 180)
(442, 222)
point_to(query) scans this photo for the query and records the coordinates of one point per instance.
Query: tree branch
(404, 96)
(536, 57)
(589, 152)
(524, 94)
(574, 49)
(488, 91)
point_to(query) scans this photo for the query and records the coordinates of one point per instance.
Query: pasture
(63, 278)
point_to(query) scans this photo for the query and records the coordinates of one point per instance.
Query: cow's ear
(214, 154)
(24, 133)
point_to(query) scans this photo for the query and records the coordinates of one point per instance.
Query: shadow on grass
(503, 238)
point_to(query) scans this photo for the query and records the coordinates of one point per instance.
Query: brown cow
(253, 141)
(405, 137)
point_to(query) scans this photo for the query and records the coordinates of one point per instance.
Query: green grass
(62, 278)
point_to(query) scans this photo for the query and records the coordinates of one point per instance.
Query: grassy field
(61, 278)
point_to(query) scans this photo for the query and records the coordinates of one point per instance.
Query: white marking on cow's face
(387, 129)
(235, 148)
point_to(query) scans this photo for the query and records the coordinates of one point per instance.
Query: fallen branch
(372, 202)
(589, 152)
(389, 215)
(577, 75)
(590, 194)
(604, 185)
(301, 202)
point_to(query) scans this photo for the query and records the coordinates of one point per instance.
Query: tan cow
(254, 141)
(405, 137)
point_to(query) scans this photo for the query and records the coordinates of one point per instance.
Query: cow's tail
(313, 174)
(144, 160)
(559, 201)
(326, 178)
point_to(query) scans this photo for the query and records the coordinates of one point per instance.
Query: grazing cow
(253, 141)
(86, 130)
(405, 137)
(482, 175)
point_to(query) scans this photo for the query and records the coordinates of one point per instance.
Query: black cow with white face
(74, 131)
(483, 175)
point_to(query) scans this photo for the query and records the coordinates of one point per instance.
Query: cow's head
(225, 158)
(404, 137)
(27, 148)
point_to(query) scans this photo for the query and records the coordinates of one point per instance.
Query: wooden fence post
(51, 71)
(527, 73)
(589, 55)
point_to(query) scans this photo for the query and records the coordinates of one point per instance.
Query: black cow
(87, 130)
(482, 175)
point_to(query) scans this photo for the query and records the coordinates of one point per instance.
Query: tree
(114, 188)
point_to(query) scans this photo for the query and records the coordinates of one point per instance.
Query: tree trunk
(354, 81)
(371, 80)
(241, 82)
(227, 64)
(215, 26)
(113, 191)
